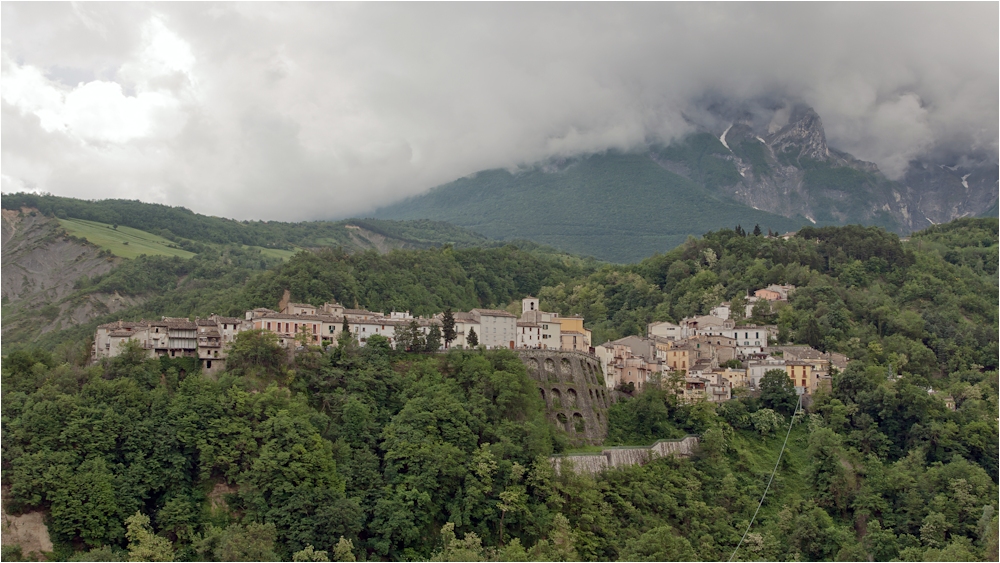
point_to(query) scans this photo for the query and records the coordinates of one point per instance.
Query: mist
(326, 110)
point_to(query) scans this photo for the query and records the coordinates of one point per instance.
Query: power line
(799, 402)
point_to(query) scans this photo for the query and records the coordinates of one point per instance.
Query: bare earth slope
(40, 266)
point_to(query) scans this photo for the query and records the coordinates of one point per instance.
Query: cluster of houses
(699, 356)
(296, 324)
(704, 357)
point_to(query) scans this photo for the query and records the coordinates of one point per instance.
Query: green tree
(777, 391)
(143, 544)
(255, 351)
(659, 544)
(344, 550)
(310, 553)
(433, 340)
(448, 327)
(472, 339)
(236, 542)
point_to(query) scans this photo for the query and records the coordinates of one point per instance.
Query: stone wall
(572, 386)
(625, 456)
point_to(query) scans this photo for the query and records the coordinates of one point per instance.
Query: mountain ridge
(774, 164)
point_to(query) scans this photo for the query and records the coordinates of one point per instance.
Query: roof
(124, 324)
(359, 312)
(519, 323)
(289, 317)
(493, 313)
(204, 322)
(229, 320)
(302, 305)
(464, 317)
(175, 324)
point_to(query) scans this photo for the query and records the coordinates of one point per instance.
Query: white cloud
(319, 110)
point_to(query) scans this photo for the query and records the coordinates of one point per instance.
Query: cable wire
(787, 434)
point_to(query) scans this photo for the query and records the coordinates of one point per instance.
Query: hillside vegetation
(618, 207)
(189, 230)
(370, 453)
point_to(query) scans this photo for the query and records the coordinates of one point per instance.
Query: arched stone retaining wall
(572, 385)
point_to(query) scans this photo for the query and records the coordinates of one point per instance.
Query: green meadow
(123, 241)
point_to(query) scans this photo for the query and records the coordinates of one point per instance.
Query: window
(268, 326)
(208, 364)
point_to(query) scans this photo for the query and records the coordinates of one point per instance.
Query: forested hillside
(375, 454)
(182, 225)
(616, 207)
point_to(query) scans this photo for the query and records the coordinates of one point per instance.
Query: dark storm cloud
(298, 111)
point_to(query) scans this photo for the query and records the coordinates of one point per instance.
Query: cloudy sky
(313, 110)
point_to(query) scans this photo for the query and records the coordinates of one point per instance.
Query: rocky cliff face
(41, 264)
(785, 166)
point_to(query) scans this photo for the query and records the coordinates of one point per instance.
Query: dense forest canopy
(370, 453)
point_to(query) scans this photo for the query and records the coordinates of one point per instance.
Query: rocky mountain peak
(803, 136)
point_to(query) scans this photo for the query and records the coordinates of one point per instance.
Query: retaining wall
(625, 456)
(572, 386)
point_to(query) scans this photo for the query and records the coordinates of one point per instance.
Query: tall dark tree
(756, 231)
(811, 335)
(417, 340)
(472, 339)
(433, 340)
(448, 327)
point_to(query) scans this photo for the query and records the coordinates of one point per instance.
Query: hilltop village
(704, 357)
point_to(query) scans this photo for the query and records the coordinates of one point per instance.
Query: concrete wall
(625, 456)
(572, 385)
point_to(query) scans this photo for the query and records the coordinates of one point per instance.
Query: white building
(549, 324)
(757, 368)
(750, 339)
(529, 335)
(497, 329)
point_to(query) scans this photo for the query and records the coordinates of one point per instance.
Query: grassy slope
(616, 207)
(140, 242)
(122, 241)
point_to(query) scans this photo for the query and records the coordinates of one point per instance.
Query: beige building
(573, 335)
(204, 339)
(665, 330)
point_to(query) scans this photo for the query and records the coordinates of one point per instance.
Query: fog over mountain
(316, 110)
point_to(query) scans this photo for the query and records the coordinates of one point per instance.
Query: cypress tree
(448, 327)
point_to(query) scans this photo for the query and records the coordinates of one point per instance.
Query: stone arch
(571, 398)
(542, 393)
(556, 399)
(566, 368)
(592, 399)
(532, 366)
(563, 421)
(550, 369)
(579, 424)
